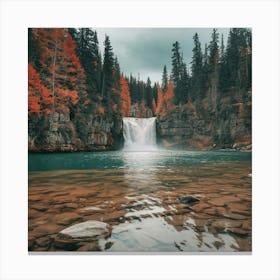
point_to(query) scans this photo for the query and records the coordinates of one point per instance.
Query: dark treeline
(103, 76)
(216, 68)
(141, 91)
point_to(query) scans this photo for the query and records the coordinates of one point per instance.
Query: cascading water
(139, 134)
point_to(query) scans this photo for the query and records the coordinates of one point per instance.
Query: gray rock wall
(193, 128)
(57, 132)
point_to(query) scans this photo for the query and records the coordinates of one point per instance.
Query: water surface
(158, 158)
(136, 193)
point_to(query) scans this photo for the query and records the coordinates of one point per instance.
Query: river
(138, 195)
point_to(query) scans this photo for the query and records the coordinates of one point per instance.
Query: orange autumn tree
(39, 97)
(125, 97)
(167, 99)
(62, 72)
(159, 101)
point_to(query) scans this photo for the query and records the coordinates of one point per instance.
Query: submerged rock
(88, 231)
(187, 199)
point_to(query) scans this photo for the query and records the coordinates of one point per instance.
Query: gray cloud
(147, 50)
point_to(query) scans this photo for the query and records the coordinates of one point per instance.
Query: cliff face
(183, 126)
(58, 133)
(193, 126)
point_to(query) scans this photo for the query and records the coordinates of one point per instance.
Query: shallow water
(136, 194)
(156, 158)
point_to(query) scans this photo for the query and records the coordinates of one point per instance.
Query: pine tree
(116, 88)
(140, 90)
(232, 58)
(155, 92)
(117, 75)
(205, 71)
(33, 50)
(235, 61)
(249, 58)
(213, 74)
(108, 67)
(214, 51)
(177, 72)
(244, 71)
(164, 79)
(222, 56)
(185, 81)
(133, 89)
(223, 70)
(90, 57)
(196, 67)
(97, 62)
(148, 94)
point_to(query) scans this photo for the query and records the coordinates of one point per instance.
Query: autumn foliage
(159, 101)
(61, 80)
(125, 97)
(58, 81)
(165, 100)
(39, 97)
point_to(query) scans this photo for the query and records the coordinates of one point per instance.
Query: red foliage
(160, 99)
(169, 95)
(38, 94)
(165, 102)
(63, 74)
(125, 96)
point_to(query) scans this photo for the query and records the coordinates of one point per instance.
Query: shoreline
(165, 148)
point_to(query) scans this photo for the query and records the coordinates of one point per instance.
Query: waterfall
(139, 134)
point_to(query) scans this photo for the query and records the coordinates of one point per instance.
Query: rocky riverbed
(142, 210)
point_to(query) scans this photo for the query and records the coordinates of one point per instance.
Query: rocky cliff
(58, 133)
(196, 126)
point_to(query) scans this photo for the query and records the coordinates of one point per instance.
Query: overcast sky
(145, 51)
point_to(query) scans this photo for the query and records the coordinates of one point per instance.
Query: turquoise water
(136, 193)
(128, 159)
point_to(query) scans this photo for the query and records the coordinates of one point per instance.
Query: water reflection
(141, 168)
(156, 234)
(155, 221)
(139, 200)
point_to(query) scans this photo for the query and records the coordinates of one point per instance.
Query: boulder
(89, 229)
(187, 199)
(74, 236)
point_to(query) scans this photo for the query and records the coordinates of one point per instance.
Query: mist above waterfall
(139, 134)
